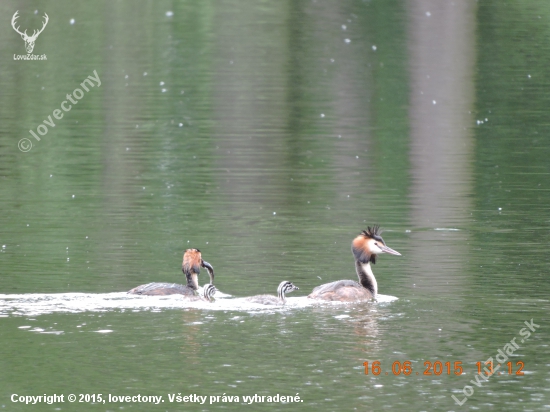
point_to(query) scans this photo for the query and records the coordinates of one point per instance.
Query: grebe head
(368, 244)
(285, 287)
(191, 267)
(208, 292)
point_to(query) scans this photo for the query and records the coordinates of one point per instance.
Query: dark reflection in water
(268, 135)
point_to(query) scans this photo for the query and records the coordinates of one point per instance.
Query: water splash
(42, 304)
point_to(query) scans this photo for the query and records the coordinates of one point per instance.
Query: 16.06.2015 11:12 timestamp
(435, 368)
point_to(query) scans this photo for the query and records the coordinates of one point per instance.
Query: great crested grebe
(192, 262)
(365, 247)
(284, 287)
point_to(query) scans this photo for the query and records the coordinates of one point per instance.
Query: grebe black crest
(192, 262)
(365, 248)
(284, 287)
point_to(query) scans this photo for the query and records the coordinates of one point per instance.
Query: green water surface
(268, 134)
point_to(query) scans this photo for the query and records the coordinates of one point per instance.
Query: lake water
(268, 135)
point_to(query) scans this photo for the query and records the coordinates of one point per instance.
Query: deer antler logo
(29, 40)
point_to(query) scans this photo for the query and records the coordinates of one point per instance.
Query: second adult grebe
(192, 262)
(365, 247)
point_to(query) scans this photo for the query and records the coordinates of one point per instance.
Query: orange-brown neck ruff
(363, 256)
(191, 267)
(361, 251)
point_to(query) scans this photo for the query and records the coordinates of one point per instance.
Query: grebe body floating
(192, 262)
(284, 287)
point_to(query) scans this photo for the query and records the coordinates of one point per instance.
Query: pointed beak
(389, 250)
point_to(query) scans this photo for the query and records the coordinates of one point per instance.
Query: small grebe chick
(192, 262)
(284, 287)
(365, 247)
(208, 292)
